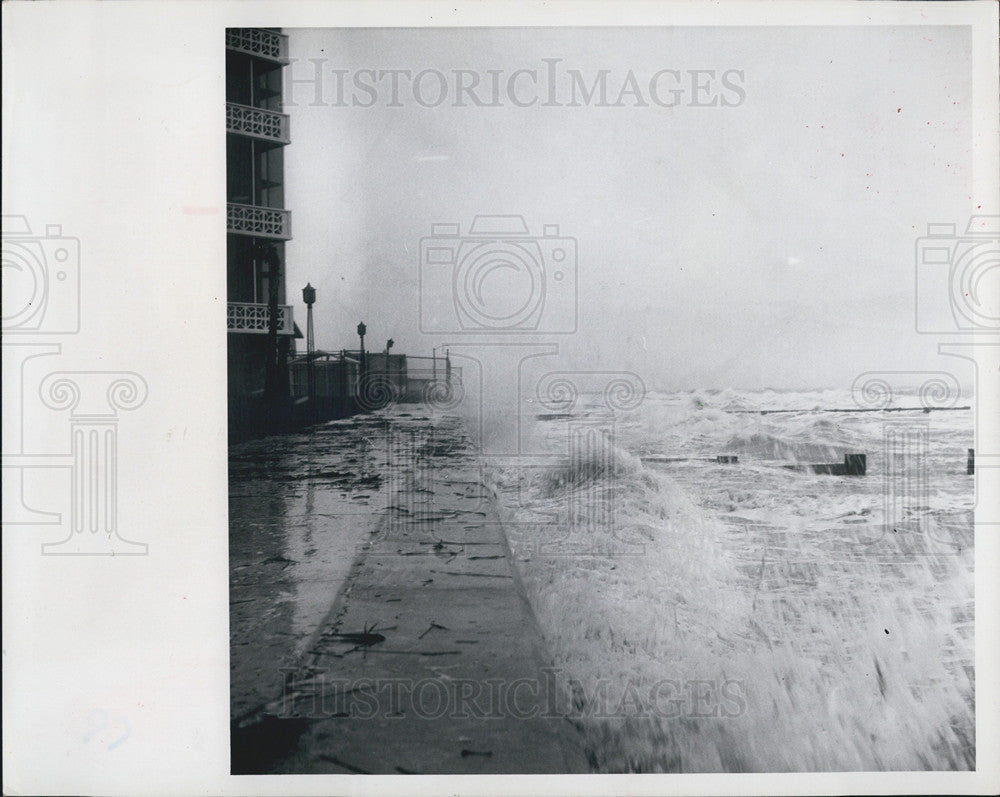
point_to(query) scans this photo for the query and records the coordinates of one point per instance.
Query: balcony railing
(258, 123)
(259, 42)
(259, 221)
(254, 318)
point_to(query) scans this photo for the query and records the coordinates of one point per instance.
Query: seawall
(430, 659)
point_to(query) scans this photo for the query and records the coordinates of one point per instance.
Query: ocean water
(701, 616)
(744, 617)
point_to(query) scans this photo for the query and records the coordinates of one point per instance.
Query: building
(260, 323)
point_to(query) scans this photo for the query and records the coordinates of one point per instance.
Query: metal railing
(431, 369)
(259, 42)
(254, 318)
(340, 374)
(331, 378)
(259, 221)
(257, 123)
(439, 374)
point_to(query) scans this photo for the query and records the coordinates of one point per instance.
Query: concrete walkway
(430, 660)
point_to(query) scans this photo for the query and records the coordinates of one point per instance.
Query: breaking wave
(711, 617)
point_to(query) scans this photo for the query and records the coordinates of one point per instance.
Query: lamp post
(362, 329)
(309, 297)
(389, 373)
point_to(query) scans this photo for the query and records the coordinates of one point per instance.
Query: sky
(765, 240)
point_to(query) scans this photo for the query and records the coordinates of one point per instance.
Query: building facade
(260, 323)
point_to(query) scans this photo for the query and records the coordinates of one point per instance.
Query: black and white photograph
(612, 442)
(599, 395)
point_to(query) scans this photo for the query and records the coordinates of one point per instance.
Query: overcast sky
(765, 240)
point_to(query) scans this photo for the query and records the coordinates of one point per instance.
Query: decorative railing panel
(254, 318)
(259, 221)
(259, 42)
(258, 123)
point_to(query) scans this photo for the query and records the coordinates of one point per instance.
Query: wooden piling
(855, 464)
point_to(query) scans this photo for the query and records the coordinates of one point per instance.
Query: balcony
(257, 123)
(259, 221)
(253, 318)
(260, 43)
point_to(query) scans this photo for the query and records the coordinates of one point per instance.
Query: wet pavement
(377, 622)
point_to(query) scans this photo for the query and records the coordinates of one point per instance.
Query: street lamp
(362, 329)
(309, 297)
